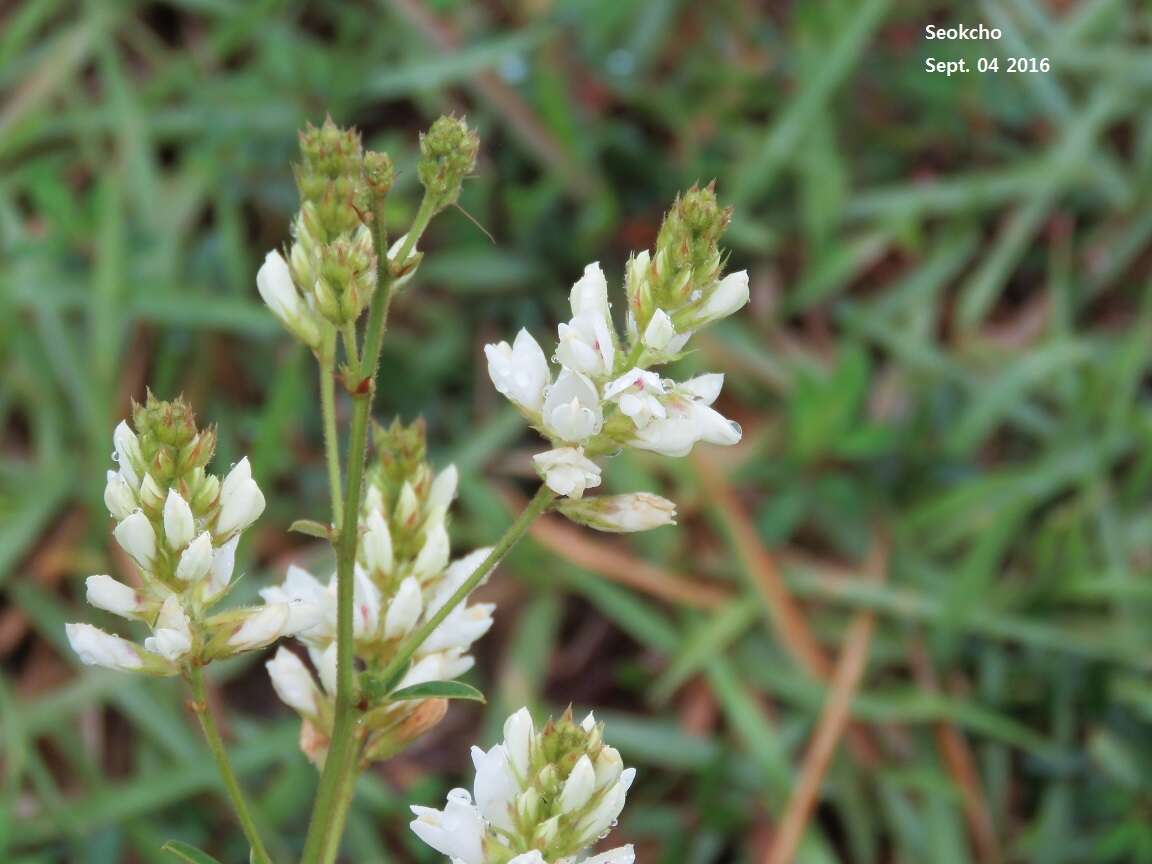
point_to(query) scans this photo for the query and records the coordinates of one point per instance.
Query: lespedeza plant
(386, 637)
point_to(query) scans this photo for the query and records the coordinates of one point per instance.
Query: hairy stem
(231, 783)
(334, 794)
(331, 439)
(539, 503)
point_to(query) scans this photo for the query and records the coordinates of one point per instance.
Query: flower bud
(447, 155)
(97, 648)
(271, 621)
(274, 282)
(659, 332)
(241, 501)
(128, 454)
(443, 490)
(118, 496)
(579, 786)
(637, 511)
(379, 172)
(196, 559)
(179, 526)
(728, 296)
(172, 636)
(404, 609)
(519, 371)
(376, 544)
(433, 555)
(106, 593)
(293, 682)
(137, 537)
(566, 471)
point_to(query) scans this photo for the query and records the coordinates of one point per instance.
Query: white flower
(567, 471)
(127, 453)
(572, 408)
(690, 419)
(519, 371)
(301, 586)
(456, 831)
(241, 501)
(196, 560)
(443, 490)
(609, 766)
(455, 575)
(137, 537)
(636, 511)
(495, 785)
(729, 295)
(223, 563)
(407, 505)
(97, 648)
(638, 393)
(579, 786)
(377, 543)
(463, 626)
(172, 636)
(519, 733)
(119, 497)
(659, 332)
(293, 682)
(325, 662)
(366, 602)
(404, 609)
(179, 526)
(703, 388)
(106, 593)
(604, 814)
(274, 282)
(587, 342)
(271, 621)
(433, 555)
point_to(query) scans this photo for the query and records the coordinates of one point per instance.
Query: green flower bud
(447, 156)
(379, 172)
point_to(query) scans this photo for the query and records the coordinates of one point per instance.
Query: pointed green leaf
(438, 690)
(312, 528)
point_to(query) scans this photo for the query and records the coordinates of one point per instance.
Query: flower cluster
(331, 271)
(540, 797)
(403, 577)
(606, 395)
(180, 524)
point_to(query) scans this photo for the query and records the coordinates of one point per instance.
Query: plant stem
(539, 503)
(334, 794)
(231, 784)
(327, 822)
(328, 409)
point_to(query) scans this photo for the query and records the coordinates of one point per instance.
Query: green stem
(328, 815)
(328, 409)
(231, 784)
(539, 503)
(334, 794)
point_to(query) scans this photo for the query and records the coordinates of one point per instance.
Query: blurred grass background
(943, 379)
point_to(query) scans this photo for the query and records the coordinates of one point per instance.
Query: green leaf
(438, 690)
(188, 853)
(312, 528)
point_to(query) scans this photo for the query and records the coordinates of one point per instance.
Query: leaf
(312, 528)
(438, 690)
(188, 853)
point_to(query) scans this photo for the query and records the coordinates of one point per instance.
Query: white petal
(137, 537)
(518, 735)
(404, 609)
(196, 560)
(97, 648)
(179, 526)
(293, 682)
(106, 593)
(579, 786)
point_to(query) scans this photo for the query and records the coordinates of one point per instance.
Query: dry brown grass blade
(961, 765)
(784, 614)
(831, 727)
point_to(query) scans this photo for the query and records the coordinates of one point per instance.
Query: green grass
(949, 344)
